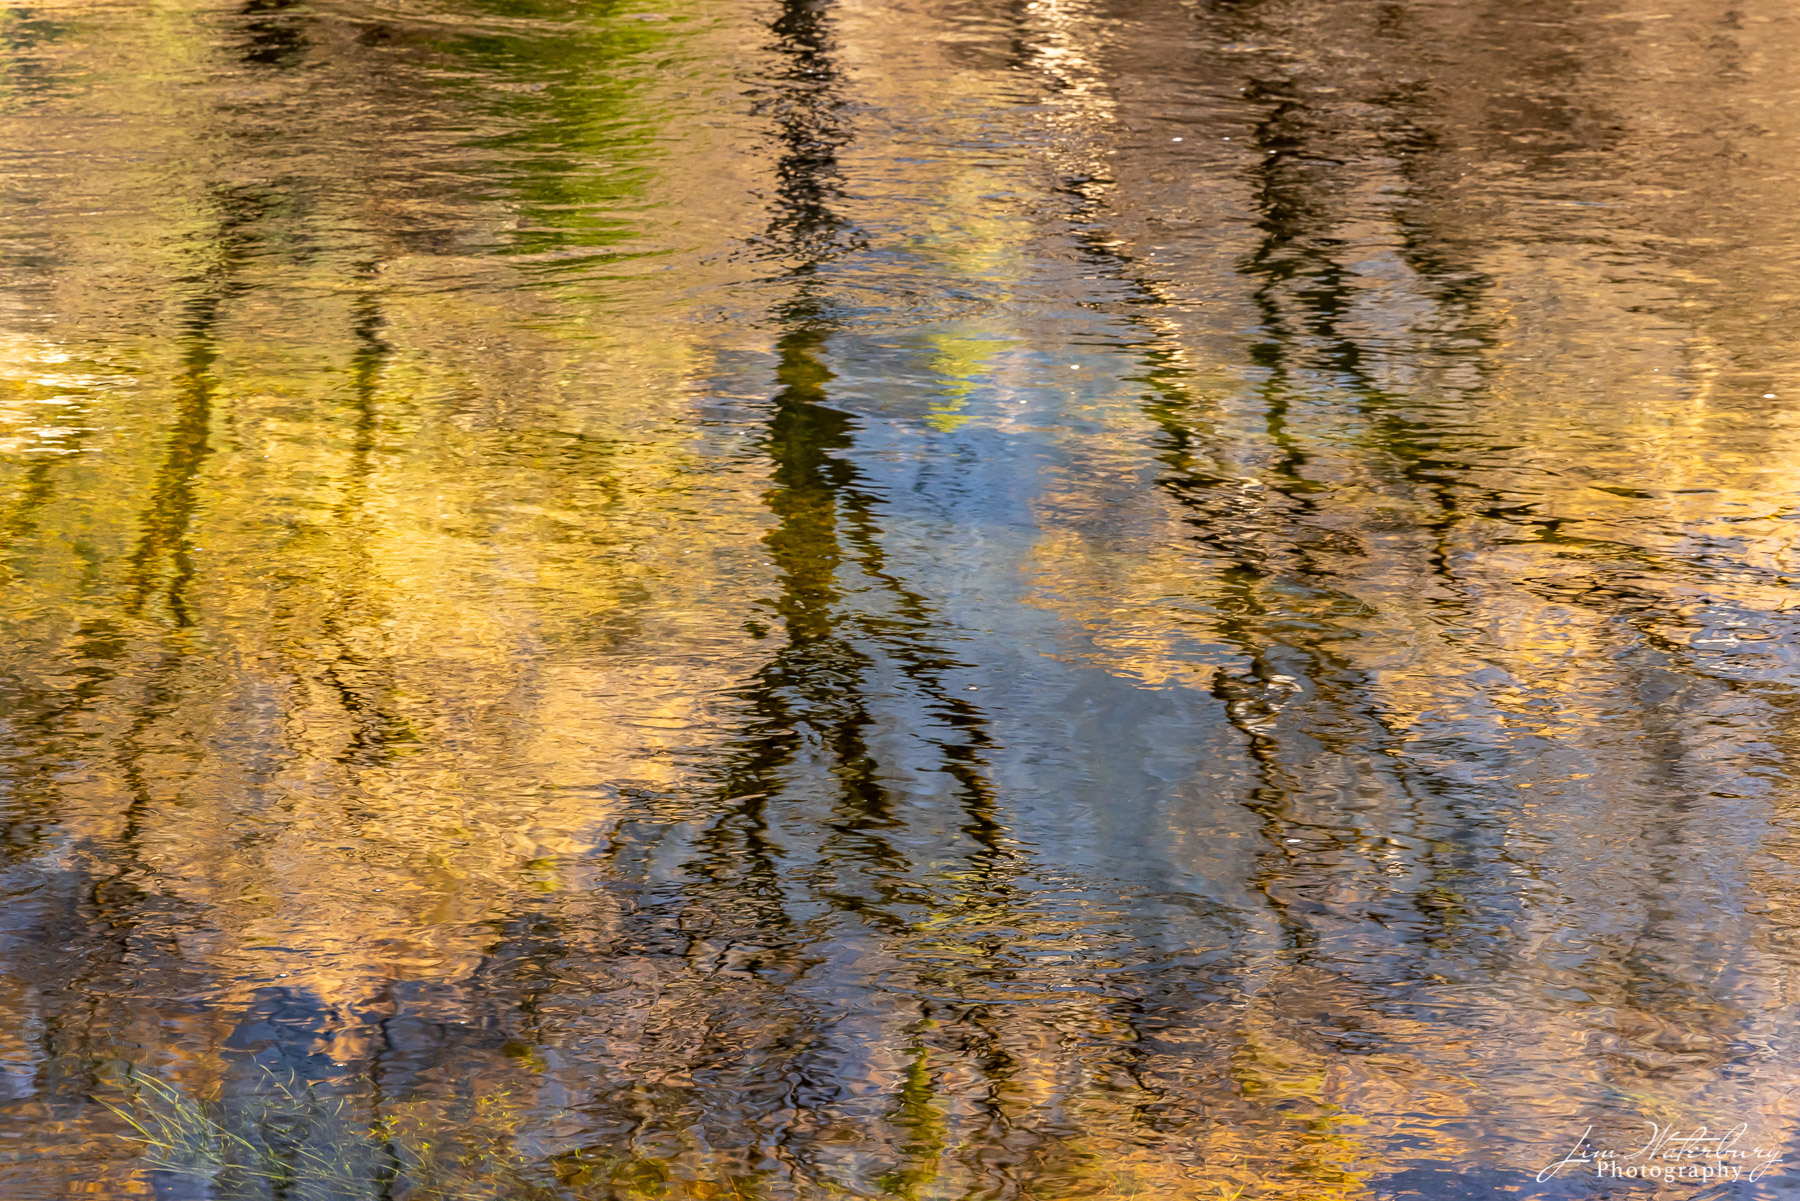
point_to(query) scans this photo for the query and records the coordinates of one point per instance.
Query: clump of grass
(286, 1137)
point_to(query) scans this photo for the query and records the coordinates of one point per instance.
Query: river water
(898, 598)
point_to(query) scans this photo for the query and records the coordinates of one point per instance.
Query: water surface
(924, 599)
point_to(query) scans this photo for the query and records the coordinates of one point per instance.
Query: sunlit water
(897, 599)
